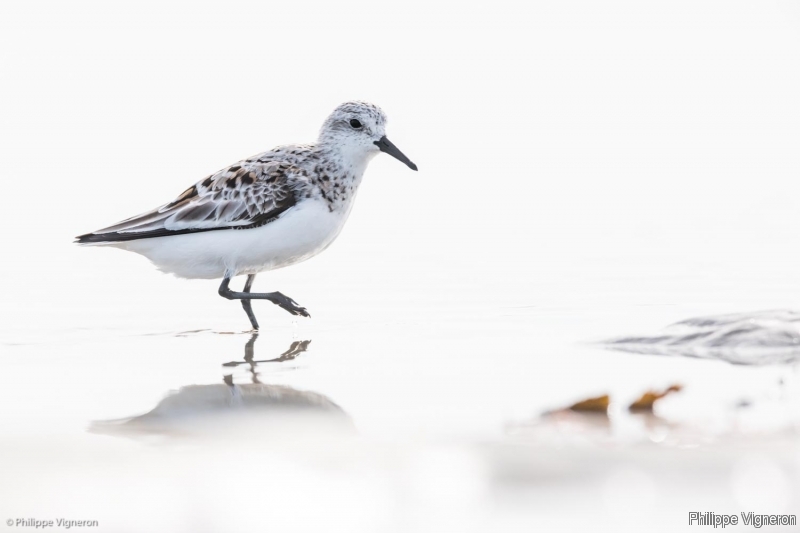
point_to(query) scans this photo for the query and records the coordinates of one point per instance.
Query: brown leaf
(593, 405)
(646, 400)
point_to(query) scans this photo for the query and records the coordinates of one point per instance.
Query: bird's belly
(297, 235)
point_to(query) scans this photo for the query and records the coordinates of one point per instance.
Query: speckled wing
(245, 195)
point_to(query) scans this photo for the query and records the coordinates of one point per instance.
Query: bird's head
(358, 129)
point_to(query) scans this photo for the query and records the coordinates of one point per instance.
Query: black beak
(386, 146)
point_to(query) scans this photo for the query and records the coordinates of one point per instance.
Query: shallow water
(414, 410)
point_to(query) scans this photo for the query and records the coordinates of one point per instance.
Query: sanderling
(272, 210)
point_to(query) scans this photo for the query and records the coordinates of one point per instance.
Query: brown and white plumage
(242, 196)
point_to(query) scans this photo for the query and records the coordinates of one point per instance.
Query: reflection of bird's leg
(275, 297)
(294, 350)
(249, 348)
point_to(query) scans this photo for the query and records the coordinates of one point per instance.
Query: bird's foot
(284, 302)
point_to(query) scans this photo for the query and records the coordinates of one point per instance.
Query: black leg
(248, 308)
(277, 298)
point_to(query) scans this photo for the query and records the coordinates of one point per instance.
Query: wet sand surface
(435, 409)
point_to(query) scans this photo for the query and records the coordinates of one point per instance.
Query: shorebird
(269, 211)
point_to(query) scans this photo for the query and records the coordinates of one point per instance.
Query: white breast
(297, 235)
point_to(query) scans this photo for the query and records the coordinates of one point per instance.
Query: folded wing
(245, 195)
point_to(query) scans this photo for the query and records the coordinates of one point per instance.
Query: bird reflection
(229, 409)
(295, 349)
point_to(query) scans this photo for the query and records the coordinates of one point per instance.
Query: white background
(587, 169)
(547, 133)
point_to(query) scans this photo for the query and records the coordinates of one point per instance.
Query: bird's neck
(338, 174)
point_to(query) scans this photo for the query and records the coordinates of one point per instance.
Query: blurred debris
(744, 403)
(592, 405)
(599, 404)
(646, 400)
(756, 338)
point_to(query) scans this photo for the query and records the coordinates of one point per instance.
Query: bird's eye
(355, 124)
